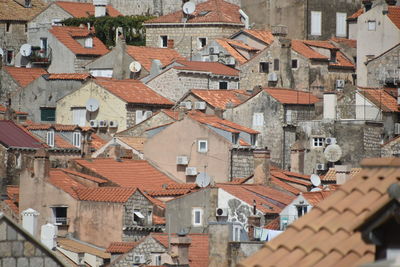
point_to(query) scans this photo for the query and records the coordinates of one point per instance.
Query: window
(318, 141)
(341, 24)
(76, 140)
(276, 64)
(236, 233)
(139, 116)
(26, 27)
(163, 41)
(50, 138)
(202, 146)
(201, 42)
(223, 85)
(10, 57)
(60, 215)
(264, 67)
(47, 114)
(371, 25)
(294, 63)
(8, 27)
(89, 42)
(235, 138)
(315, 23)
(301, 210)
(138, 217)
(156, 259)
(79, 116)
(43, 46)
(197, 217)
(253, 139)
(258, 119)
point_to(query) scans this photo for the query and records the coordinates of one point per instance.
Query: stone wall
(239, 251)
(7, 85)
(137, 202)
(131, 112)
(383, 68)
(13, 39)
(242, 163)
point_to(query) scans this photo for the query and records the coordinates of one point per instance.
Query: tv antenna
(92, 105)
(203, 179)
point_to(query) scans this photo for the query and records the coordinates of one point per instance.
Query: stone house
(256, 38)
(14, 20)
(189, 33)
(202, 143)
(121, 104)
(275, 112)
(391, 148)
(127, 143)
(181, 76)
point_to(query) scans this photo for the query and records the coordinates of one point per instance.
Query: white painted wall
(289, 213)
(365, 109)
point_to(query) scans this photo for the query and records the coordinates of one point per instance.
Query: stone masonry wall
(137, 202)
(7, 85)
(13, 39)
(383, 65)
(242, 163)
(372, 141)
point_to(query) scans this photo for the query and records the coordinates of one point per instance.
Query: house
(274, 112)
(179, 77)
(391, 148)
(340, 219)
(202, 143)
(256, 38)
(116, 63)
(133, 144)
(121, 104)
(14, 18)
(211, 19)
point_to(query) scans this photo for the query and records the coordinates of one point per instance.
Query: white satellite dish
(25, 50)
(1, 52)
(333, 153)
(135, 66)
(315, 189)
(202, 179)
(92, 105)
(189, 8)
(315, 180)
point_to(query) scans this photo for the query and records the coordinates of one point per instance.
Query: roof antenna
(254, 207)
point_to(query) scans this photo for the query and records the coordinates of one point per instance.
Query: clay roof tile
(24, 76)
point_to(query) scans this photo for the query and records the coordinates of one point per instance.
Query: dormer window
(28, 3)
(50, 138)
(76, 140)
(89, 42)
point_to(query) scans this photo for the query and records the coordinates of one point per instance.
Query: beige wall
(181, 138)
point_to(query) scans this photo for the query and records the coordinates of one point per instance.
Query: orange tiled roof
(241, 45)
(314, 198)
(13, 192)
(327, 235)
(24, 76)
(331, 174)
(282, 176)
(13, 10)
(66, 35)
(63, 181)
(220, 98)
(133, 91)
(285, 186)
(171, 113)
(182, 186)
(121, 247)
(168, 192)
(85, 176)
(262, 35)
(303, 49)
(79, 246)
(105, 194)
(60, 142)
(394, 15)
(210, 11)
(57, 127)
(81, 10)
(215, 68)
(145, 55)
(349, 42)
(356, 14)
(380, 98)
(290, 96)
(158, 220)
(127, 173)
(321, 44)
(269, 192)
(273, 225)
(68, 76)
(97, 141)
(225, 43)
(341, 61)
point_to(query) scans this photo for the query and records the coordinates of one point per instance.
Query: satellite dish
(315, 180)
(189, 8)
(333, 153)
(315, 189)
(1, 52)
(92, 105)
(135, 66)
(202, 179)
(25, 50)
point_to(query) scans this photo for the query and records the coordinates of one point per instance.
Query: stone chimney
(180, 250)
(253, 221)
(29, 221)
(41, 164)
(342, 173)
(86, 148)
(261, 166)
(100, 8)
(120, 68)
(170, 43)
(297, 153)
(330, 104)
(115, 151)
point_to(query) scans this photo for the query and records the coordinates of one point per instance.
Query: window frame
(9, 59)
(162, 41)
(297, 64)
(42, 117)
(50, 137)
(301, 210)
(223, 82)
(318, 142)
(201, 212)
(199, 149)
(54, 215)
(263, 67)
(77, 139)
(89, 42)
(342, 16)
(369, 23)
(312, 22)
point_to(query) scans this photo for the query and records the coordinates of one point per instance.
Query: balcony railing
(59, 221)
(40, 56)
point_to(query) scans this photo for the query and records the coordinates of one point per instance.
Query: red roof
(145, 55)
(356, 14)
(97, 141)
(168, 192)
(80, 10)
(24, 76)
(348, 42)
(278, 183)
(133, 91)
(171, 113)
(63, 181)
(281, 176)
(262, 35)
(226, 44)
(31, 126)
(273, 225)
(68, 76)
(66, 35)
(220, 98)
(127, 173)
(380, 98)
(394, 15)
(314, 198)
(215, 68)
(157, 220)
(121, 247)
(105, 194)
(217, 11)
(85, 176)
(13, 135)
(269, 192)
(303, 49)
(61, 142)
(290, 96)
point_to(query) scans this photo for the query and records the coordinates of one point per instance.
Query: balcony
(40, 57)
(60, 221)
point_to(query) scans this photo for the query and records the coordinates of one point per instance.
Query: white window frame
(258, 119)
(371, 24)
(156, 259)
(200, 211)
(318, 142)
(76, 139)
(199, 45)
(316, 23)
(162, 41)
(139, 116)
(236, 232)
(89, 42)
(341, 26)
(50, 138)
(199, 148)
(79, 116)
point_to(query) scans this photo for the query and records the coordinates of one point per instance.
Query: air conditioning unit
(200, 105)
(272, 77)
(186, 104)
(182, 160)
(103, 123)
(339, 84)
(330, 141)
(113, 124)
(221, 212)
(213, 58)
(191, 171)
(93, 124)
(397, 128)
(213, 50)
(137, 259)
(231, 61)
(320, 167)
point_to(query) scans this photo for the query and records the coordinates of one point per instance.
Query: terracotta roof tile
(331, 174)
(214, 68)
(380, 98)
(157, 220)
(68, 76)
(63, 181)
(61, 142)
(79, 246)
(314, 198)
(168, 192)
(356, 14)
(342, 61)
(57, 127)
(281, 176)
(171, 113)
(289, 96)
(145, 55)
(210, 11)
(133, 91)
(24, 76)
(105, 194)
(273, 225)
(66, 35)
(134, 142)
(303, 49)
(127, 173)
(225, 43)
(13, 135)
(182, 186)
(270, 192)
(220, 98)
(12, 10)
(121, 247)
(85, 176)
(348, 42)
(97, 141)
(153, 200)
(262, 35)
(80, 10)
(285, 186)
(394, 15)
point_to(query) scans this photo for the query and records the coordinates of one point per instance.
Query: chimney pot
(41, 164)
(261, 166)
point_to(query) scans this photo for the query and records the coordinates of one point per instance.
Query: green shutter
(48, 114)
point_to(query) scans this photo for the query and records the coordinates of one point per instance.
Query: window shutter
(139, 116)
(341, 24)
(315, 23)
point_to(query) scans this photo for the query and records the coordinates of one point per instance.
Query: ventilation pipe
(245, 18)
(29, 220)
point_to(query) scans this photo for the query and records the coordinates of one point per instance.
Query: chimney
(330, 104)
(48, 235)
(86, 149)
(279, 30)
(180, 250)
(170, 43)
(100, 8)
(41, 164)
(29, 220)
(219, 113)
(115, 151)
(156, 67)
(181, 113)
(119, 71)
(261, 166)
(297, 157)
(367, 4)
(246, 20)
(342, 173)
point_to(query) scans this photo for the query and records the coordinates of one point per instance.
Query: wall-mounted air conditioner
(200, 105)
(93, 123)
(186, 104)
(191, 171)
(182, 160)
(330, 140)
(138, 259)
(221, 212)
(213, 50)
(113, 124)
(339, 84)
(103, 123)
(320, 167)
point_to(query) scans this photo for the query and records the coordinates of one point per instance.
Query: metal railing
(59, 221)
(41, 56)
